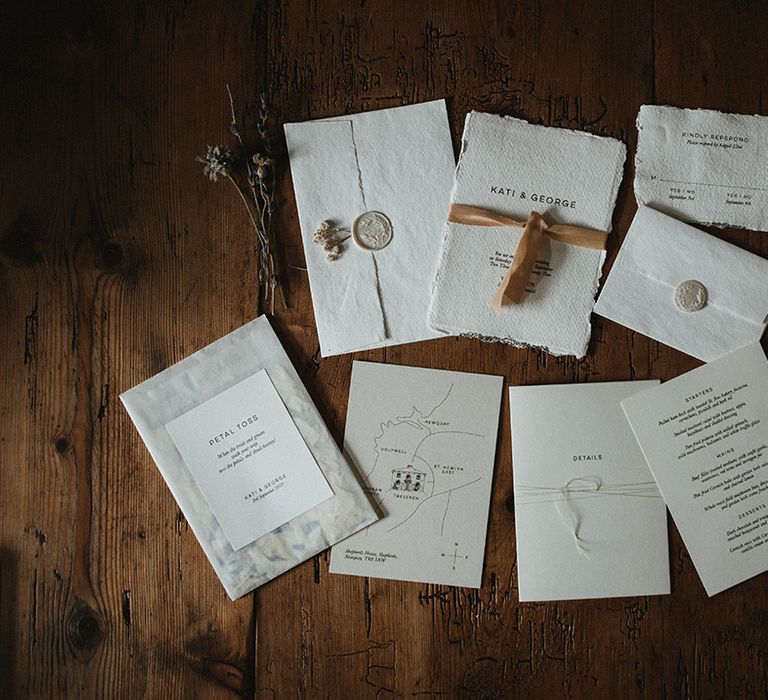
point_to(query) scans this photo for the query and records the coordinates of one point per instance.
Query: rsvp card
(704, 436)
(702, 165)
(249, 460)
(425, 442)
(590, 522)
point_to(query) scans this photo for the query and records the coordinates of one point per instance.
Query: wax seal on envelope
(691, 295)
(372, 230)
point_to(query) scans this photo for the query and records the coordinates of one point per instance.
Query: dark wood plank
(118, 258)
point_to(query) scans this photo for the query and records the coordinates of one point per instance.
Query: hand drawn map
(424, 442)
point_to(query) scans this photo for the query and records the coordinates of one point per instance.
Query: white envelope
(396, 161)
(213, 372)
(658, 254)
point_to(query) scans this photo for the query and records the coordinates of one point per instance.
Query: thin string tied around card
(566, 511)
(512, 287)
(582, 487)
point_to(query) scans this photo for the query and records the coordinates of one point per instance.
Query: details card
(424, 441)
(590, 521)
(702, 165)
(704, 437)
(249, 460)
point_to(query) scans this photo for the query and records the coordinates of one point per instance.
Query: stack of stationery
(509, 249)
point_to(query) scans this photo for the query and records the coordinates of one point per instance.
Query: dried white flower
(262, 163)
(218, 161)
(323, 232)
(326, 236)
(253, 180)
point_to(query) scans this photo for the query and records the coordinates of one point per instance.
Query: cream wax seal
(372, 230)
(690, 296)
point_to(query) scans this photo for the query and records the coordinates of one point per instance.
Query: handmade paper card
(382, 180)
(248, 458)
(525, 238)
(589, 519)
(685, 288)
(702, 165)
(425, 441)
(704, 437)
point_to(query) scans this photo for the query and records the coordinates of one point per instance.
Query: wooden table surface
(118, 258)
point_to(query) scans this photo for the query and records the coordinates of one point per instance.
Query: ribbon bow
(512, 287)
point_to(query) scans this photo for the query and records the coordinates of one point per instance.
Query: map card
(424, 441)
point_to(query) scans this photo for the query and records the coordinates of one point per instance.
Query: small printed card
(397, 165)
(511, 168)
(425, 442)
(686, 288)
(702, 165)
(249, 460)
(590, 522)
(704, 437)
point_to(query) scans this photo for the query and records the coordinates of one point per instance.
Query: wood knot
(85, 629)
(229, 676)
(225, 673)
(509, 504)
(61, 445)
(111, 256)
(20, 242)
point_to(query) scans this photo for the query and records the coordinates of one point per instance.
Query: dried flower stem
(259, 172)
(247, 207)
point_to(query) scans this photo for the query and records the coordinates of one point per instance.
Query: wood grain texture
(117, 258)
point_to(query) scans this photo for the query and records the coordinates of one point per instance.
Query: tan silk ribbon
(512, 287)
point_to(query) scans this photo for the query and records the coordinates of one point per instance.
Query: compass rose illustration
(454, 556)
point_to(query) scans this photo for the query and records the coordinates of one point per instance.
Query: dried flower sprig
(327, 236)
(217, 160)
(258, 171)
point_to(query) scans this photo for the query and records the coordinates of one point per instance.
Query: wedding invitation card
(702, 165)
(507, 170)
(686, 288)
(589, 519)
(247, 457)
(385, 178)
(704, 437)
(425, 442)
